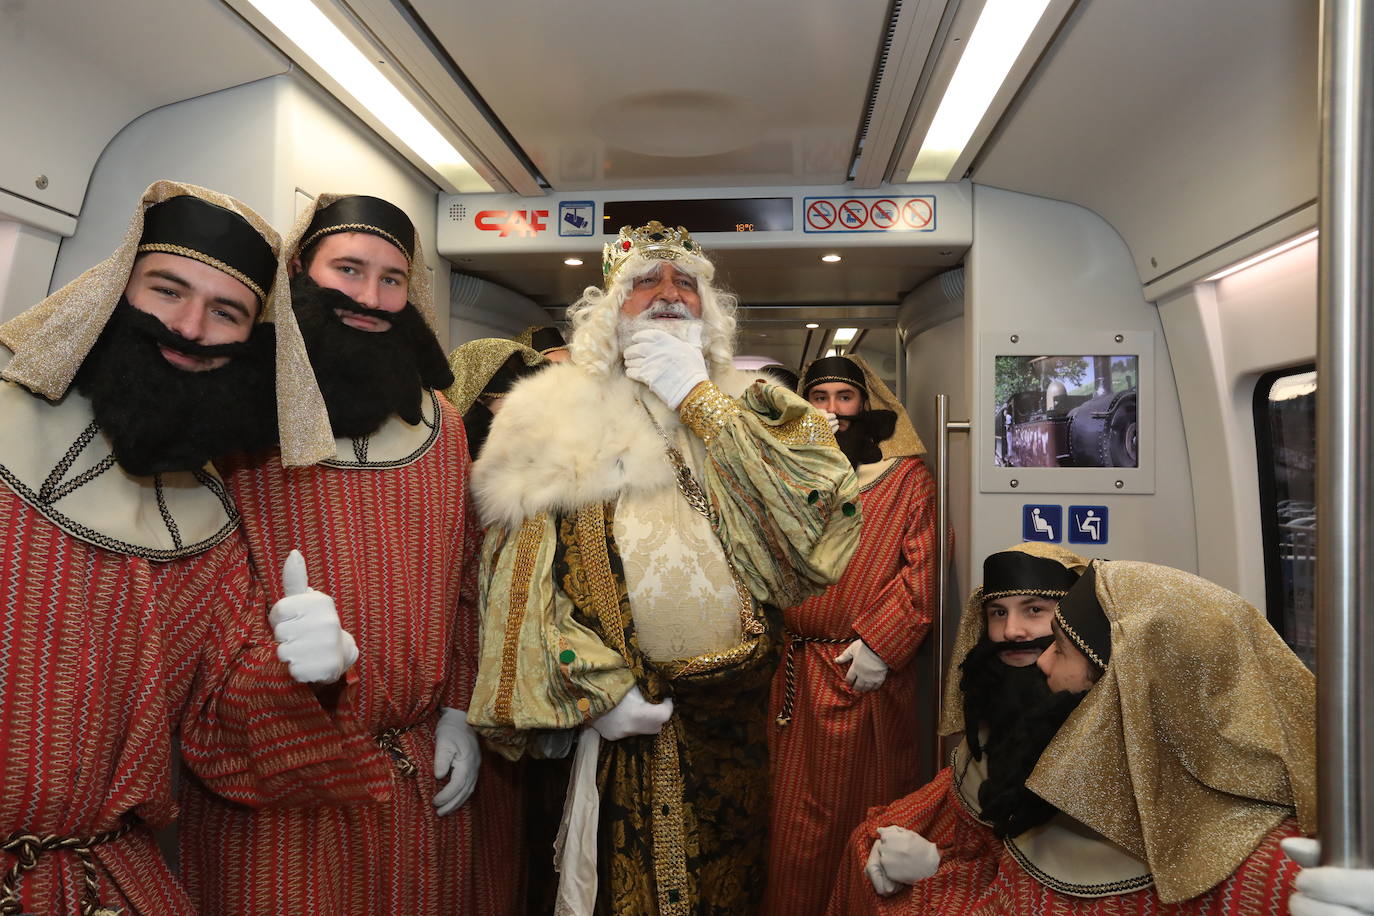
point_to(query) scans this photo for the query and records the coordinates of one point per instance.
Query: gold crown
(652, 241)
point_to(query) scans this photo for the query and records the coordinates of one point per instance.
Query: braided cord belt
(389, 740)
(28, 848)
(794, 643)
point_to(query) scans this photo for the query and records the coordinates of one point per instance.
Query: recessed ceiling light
(831, 258)
(812, 325)
(845, 335)
(573, 262)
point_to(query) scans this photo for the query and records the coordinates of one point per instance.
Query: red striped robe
(393, 548)
(102, 656)
(845, 751)
(979, 877)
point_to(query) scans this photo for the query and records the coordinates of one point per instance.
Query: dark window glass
(1286, 436)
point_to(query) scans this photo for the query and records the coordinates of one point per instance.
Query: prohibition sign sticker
(883, 213)
(917, 213)
(853, 214)
(820, 215)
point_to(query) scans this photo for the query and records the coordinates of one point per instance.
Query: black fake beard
(1003, 798)
(867, 429)
(366, 376)
(997, 695)
(160, 418)
(477, 424)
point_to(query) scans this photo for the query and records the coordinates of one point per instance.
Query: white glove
(1327, 890)
(884, 885)
(833, 420)
(456, 755)
(310, 639)
(866, 670)
(669, 366)
(633, 715)
(905, 856)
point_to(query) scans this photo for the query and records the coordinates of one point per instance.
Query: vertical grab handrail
(1345, 434)
(943, 426)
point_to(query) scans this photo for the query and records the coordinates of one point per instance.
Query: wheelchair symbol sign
(1087, 524)
(1042, 523)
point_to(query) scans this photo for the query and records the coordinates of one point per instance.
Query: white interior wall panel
(1186, 125)
(1222, 337)
(1048, 268)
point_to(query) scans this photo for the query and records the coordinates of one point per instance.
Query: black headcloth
(1083, 621)
(195, 228)
(360, 213)
(542, 340)
(1014, 572)
(834, 369)
(510, 372)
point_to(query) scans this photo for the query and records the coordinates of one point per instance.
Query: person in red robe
(1187, 757)
(127, 604)
(385, 520)
(843, 700)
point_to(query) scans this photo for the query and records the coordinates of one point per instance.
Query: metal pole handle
(1345, 435)
(944, 426)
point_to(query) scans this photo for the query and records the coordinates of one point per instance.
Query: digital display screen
(1066, 411)
(735, 214)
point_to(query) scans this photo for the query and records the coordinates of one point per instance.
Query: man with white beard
(648, 509)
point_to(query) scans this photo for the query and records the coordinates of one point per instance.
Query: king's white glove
(884, 885)
(1327, 890)
(310, 640)
(833, 420)
(866, 670)
(633, 715)
(905, 856)
(669, 366)
(457, 756)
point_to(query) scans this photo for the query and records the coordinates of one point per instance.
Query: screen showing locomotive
(1066, 411)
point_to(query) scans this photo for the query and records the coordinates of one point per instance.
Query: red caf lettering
(524, 223)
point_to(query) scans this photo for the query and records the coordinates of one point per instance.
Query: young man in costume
(385, 514)
(646, 503)
(1188, 755)
(844, 697)
(128, 610)
(484, 371)
(996, 696)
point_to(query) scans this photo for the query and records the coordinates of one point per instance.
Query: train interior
(1109, 268)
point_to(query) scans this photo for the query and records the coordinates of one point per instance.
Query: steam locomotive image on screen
(1066, 411)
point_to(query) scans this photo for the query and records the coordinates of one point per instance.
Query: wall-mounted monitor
(1066, 411)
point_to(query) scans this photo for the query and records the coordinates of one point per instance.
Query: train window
(1286, 443)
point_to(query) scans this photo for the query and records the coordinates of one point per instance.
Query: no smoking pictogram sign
(821, 215)
(883, 213)
(917, 213)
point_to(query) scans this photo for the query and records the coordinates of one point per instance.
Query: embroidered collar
(395, 445)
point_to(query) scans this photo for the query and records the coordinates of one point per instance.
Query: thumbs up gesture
(310, 639)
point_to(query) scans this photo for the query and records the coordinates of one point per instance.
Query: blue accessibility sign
(576, 217)
(1042, 523)
(1087, 524)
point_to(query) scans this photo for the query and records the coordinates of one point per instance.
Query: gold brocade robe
(683, 814)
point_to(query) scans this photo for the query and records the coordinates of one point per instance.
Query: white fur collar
(565, 439)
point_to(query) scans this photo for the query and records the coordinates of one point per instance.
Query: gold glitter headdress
(904, 440)
(419, 291)
(51, 340)
(1199, 738)
(475, 362)
(972, 626)
(653, 242)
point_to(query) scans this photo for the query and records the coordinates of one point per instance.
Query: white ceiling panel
(1185, 124)
(604, 94)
